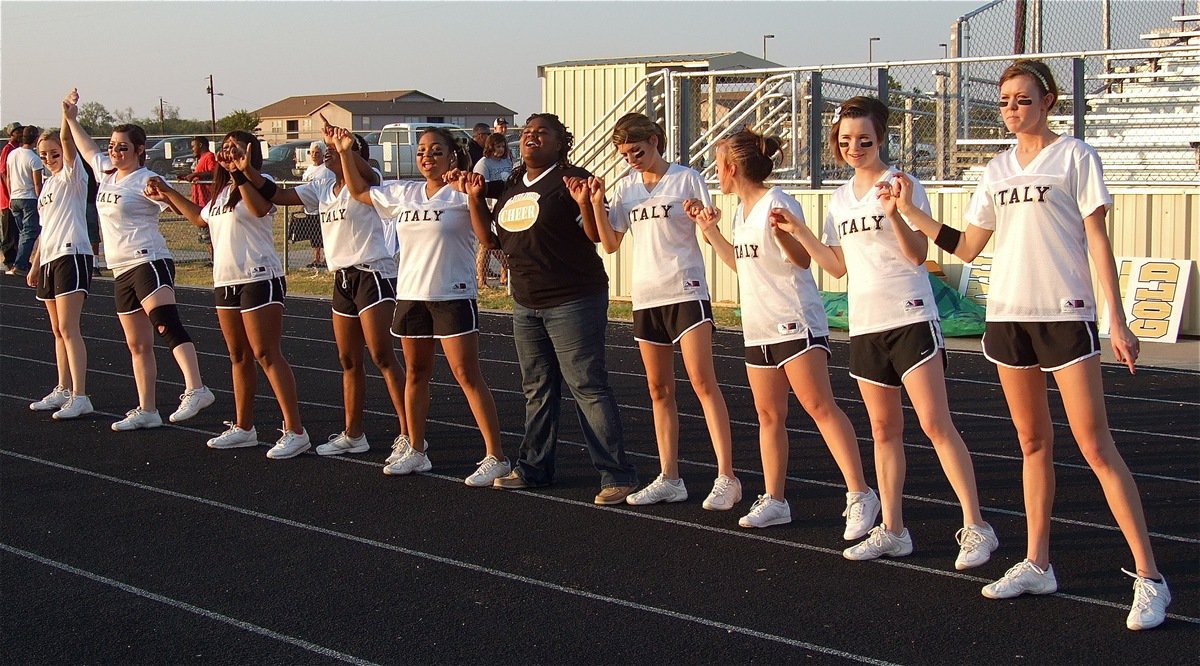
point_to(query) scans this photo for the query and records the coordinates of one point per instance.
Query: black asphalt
(148, 547)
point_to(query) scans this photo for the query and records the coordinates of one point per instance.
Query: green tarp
(961, 317)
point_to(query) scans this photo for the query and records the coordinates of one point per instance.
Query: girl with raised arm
(144, 271)
(364, 294)
(249, 287)
(1046, 202)
(895, 339)
(671, 302)
(435, 290)
(61, 270)
(783, 323)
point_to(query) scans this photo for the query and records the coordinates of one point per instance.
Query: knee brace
(168, 325)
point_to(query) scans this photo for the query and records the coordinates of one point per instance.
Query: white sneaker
(976, 544)
(413, 461)
(290, 445)
(234, 438)
(726, 492)
(1150, 601)
(767, 511)
(490, 469)
(880, 542)
(76, 406)
(661, 489)
(343, 443)
(861, 511)
(54, 400)
(138, 418)
(191, 402)
(399, 446)
(1025, 577)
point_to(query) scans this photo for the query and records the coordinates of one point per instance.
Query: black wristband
(947, 238)
(268, 189)
(240, 178)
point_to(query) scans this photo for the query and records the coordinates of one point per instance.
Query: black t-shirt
(476, 152)
(550, 260)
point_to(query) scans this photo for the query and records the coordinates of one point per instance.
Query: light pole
(871, 48)
(945, 51)
(765, 38)
(212, 102)
(162, 123)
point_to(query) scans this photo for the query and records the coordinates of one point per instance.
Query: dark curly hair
(459, 159)
(566, 141)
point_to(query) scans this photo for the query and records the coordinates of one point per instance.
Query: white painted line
(460, 564)
(184, 606)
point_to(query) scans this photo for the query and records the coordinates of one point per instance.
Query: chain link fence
(1055, 26)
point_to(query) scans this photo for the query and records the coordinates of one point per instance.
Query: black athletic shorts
(667, 324)
(435, 319)
(885, 358)
(777, 355)
(251, 295)
(1049, 345)
(356, 290)
(138, 283)
(65, 275)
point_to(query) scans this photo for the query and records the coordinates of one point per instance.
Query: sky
(132, 54)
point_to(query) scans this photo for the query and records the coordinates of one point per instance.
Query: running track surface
(148, 547)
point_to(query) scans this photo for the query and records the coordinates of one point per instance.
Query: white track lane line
(682, 414)
(184, 606)
(518, 435)
(460, 564)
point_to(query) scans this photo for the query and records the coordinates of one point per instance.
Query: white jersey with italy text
(436, 241)
(667, 264)
(243, 244)
(62, 210)
(1040, 268)
(128, 220)
(780, 301)
(352, 230)
(886, 290)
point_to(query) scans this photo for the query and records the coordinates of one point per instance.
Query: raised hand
(578, 187)
(225, 160)
(239, 156)
(596, 190)
(475, 184)
(902, 192)
(70, 104)
(340, 138)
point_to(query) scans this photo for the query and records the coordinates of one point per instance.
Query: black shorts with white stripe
(667, 324)
(356, 290)
(1049, 345)
(780, 354)
(885, 358)
(435, 319)
(138, 283)
(65, 275)
(251, 296)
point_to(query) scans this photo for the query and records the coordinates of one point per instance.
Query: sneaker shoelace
(1143, 591)
(487, 465)
(401, 442)
(760, 504)
(229, 430)
(70, 401)
(134, 413)
(1016, 570)
(854, 508)
(722, 486)
(968, 538)
(877, 536)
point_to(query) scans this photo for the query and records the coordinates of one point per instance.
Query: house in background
(296, 117)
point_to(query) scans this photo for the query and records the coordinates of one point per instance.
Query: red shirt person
(202, 172)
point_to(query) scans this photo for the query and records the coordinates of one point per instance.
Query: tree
(239, 119)
(95, 119)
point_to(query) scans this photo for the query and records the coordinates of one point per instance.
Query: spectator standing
(201, 179)
(8, 228)
(495, 167)
(500, 126)
(479, 137)
(309, 227)
(23, 175)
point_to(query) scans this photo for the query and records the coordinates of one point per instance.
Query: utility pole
(212, 103)
(162, 123)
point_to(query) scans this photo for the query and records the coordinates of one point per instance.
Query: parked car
(158, 158)
(281, 159)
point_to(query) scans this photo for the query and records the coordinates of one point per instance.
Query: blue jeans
(25, 216)
(566, 342)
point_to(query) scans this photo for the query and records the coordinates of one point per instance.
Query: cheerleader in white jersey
(144, 271)
(435, 291)
(785, 330)
(895, 340)
(671, 303)
(1046, 202)
(249, 286)
(364, 293)
(61, 270)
